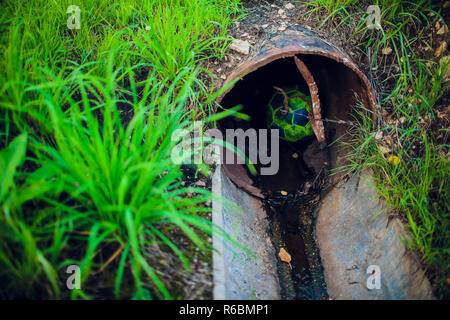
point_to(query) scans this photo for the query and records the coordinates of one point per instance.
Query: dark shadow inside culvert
(340, 89)
(291, 194)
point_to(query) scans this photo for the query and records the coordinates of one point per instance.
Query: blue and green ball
(294, 125)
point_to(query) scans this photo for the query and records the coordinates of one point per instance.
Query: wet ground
(290, 199)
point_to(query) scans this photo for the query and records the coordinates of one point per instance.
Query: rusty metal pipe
(324, 67)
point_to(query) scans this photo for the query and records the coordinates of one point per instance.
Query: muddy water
(301, 176)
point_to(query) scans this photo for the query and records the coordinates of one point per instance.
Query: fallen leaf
(394, 160)
(284, 193)
(442, 47)
(442, 30)
(389, 141)
(289, 6)
(386, 51)
(284, 256)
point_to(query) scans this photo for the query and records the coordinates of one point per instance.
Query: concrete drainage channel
(326, 223)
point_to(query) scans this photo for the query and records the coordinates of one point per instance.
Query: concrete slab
(351, 239)
(237, 274)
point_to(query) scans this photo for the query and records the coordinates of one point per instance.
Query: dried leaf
(440, 49)
(284, 256)
(394, 160)
(386, 51)
(442, 30)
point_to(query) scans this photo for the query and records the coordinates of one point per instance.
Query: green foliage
(417, 185)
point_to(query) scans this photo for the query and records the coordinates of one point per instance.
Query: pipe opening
(293, 193)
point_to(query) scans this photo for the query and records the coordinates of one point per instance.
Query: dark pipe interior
(300, 176)
(338, 86)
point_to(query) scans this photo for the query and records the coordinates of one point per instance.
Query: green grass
(328, 10)
(86, 120)
(417, 187)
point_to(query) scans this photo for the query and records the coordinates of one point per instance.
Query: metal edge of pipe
(295, 40)
(219, 273)
(237, 275)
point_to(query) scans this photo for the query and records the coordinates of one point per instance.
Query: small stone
(282, 27)
(384, 149)
(264, 26)
(240, 46)
(244, 35)
(281, 12)
(379, 135)
(295, 155)
(223, 77)
(394, 160)
(289, 6)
